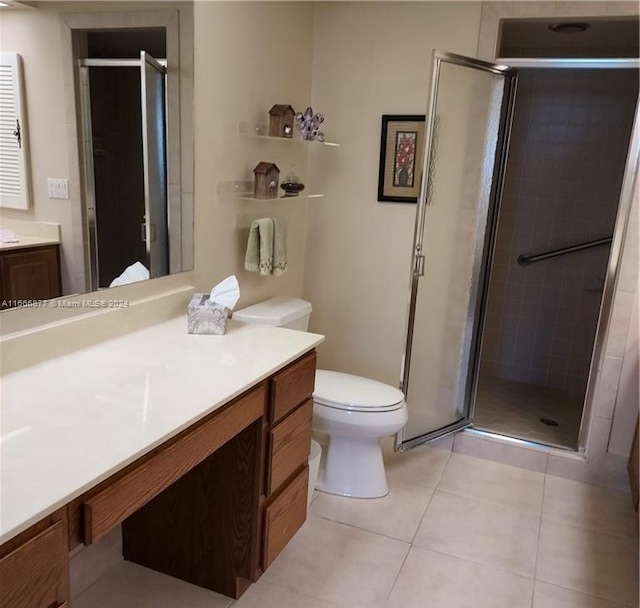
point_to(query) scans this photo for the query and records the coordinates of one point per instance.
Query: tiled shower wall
(564, 173)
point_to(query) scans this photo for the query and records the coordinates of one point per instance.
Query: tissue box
(206, 318)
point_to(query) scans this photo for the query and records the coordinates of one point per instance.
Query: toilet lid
(347, 392)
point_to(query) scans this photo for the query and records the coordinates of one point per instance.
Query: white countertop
(29, 241)
(71, 422)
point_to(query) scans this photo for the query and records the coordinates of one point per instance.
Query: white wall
(370, 59)
(249, 56)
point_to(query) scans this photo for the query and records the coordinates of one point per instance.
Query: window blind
(14, 168)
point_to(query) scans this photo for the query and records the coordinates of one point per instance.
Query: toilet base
(354, 468)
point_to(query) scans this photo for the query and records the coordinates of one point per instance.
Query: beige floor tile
(340, 564)
(397, 515)
(551, 596)
(604, 469)
(266, 595)
(470, 444)
(422, 466)
(128, 585)
(502, 537)
(433, 580)
(493, 482)
(590, 562)
(588, 506)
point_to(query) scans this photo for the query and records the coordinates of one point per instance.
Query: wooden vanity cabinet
(34, 566)
(30, 273)
(213, 505)
(288, 442)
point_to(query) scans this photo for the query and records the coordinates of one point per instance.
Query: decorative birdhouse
(265, 180)
(281, 118)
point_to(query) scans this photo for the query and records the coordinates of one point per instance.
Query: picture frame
(401, 158)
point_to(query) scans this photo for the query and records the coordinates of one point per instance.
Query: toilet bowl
(353, 413)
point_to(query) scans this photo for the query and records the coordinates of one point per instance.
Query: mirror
(108, 113)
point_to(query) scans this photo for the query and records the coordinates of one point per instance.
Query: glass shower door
(123, 112)
(467, 124)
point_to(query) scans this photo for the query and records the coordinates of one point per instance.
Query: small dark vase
(292, 188)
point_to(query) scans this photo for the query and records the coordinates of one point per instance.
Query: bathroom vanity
(196, 445)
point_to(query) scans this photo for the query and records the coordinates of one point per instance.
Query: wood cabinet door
(30, 274)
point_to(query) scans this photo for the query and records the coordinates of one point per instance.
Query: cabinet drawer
(284, 516)
(292, 386)
(35, 575)
(122, 497)
(289, 445)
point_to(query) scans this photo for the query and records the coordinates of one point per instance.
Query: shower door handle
(419, 269)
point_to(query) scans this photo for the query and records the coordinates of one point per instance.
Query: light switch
(58, 188)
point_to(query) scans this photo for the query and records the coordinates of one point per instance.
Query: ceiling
(533, 33)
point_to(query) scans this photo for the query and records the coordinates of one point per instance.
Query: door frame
(86, 131)
(619, 231)
(417, 261)
(179, 127)
(161, 232)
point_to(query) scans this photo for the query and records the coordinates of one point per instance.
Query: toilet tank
(280, 311)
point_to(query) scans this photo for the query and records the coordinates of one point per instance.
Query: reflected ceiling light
(569, 27)
(3, 5)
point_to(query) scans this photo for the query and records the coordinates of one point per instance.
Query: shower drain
(549, 422)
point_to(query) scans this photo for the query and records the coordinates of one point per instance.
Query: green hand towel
(279, 246)
(259, 256)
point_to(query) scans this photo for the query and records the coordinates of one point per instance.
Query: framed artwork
(401, 157)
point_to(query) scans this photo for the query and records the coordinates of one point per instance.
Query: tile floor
(515, 409)
(454, 532)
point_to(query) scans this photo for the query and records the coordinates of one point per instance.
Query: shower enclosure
(123, 109)
(507, 263)
(569, 142)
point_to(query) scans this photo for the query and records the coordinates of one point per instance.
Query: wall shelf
(260, 132)
(243, 191)
(249, 197)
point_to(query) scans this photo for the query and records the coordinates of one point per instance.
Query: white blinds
(14, 168)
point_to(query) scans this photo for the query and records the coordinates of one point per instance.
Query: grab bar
(523, 260)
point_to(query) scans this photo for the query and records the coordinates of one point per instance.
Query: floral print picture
(401, 158)
(405, 159)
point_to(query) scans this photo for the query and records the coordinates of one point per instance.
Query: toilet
(351, 412)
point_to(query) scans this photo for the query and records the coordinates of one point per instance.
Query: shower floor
(515, 409)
